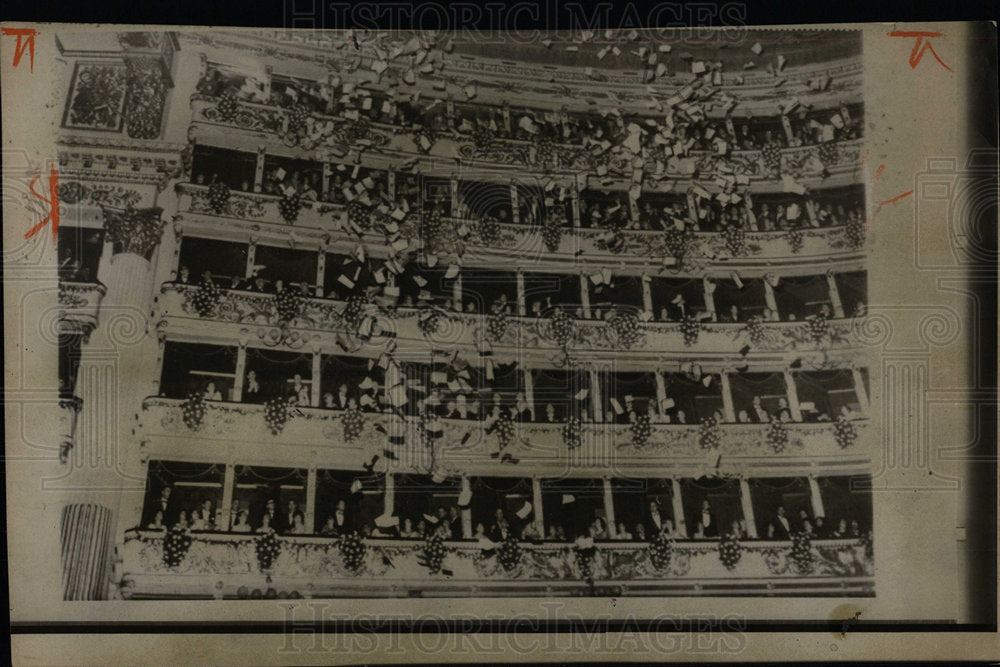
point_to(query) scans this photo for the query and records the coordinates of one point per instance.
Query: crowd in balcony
(683, 128)
(491, 510)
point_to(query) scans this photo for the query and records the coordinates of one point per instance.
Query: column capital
(133, 230)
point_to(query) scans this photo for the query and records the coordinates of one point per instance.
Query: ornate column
(815, 498)
(678, 505)
(595, 396)
(709, 288)
(585, 296)
(251, 256)
(258, 174)
(786, 125)
(317, 370)
(521, 306)
(515, 211)
(241, 367)
(320, 274)
(772, 303)
(536, 498)
(529, 393)
(727, 397)
(747, 503)
(793, 397)
(609, 508)
(390, 494)
(228, 484)
(647, 295)
(466, 512)
(456, 293)
(838, 305)
(860, 391)
(310, 518)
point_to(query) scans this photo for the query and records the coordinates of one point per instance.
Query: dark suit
(154, 504)
(780, 531)
(342, 524)
(649, 523)
(756, 418)
(456, 529)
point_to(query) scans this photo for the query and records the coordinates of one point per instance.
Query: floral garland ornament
(818, 327)
(562, 327)
(585, 552)
(268, 547)
(354, 424)
(661, 551)
(289, 207)
(352, 551)
(845, 432)
(690, 328)
(855, 233)
(489, 231)
(504, 428)
(354, 311)
(496, 325)
(710, 434)
(218, 197)
(625, 326)
(828, 153)
(227, 107)
(433, 554)
(730, 552)
(796, 238)
(677, 241)
(777, 435)
(193, 410)
(771, 153)
(359, 215)
(736, 240)
(641, 430)
(287, 305)
(509, 553)
(276, 415)
(429, 322)
(868, 542)
(552, 232)
(572, 433)
(755, 330)
(801, 553)
(175, 546)
(205, 298)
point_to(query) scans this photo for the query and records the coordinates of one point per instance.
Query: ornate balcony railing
(701, 249)
(226, 565)
(322, 321)
(317, 131)
(79, 304)
(467, 445)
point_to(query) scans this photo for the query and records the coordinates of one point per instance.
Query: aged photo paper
(337, 334)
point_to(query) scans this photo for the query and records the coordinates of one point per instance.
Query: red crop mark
(25, 40)
(896, 198)
(920, 46)
(878, 172)
(52, 201)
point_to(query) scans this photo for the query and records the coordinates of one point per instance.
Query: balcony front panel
(317, 436)
(321, 322)
(703, 250)
(314, 567)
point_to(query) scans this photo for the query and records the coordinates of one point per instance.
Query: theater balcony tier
(258, 215)
(334, 137)
(314, 436)
(79, 304)
(547, 85)
(220, 565)
(253, 318)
